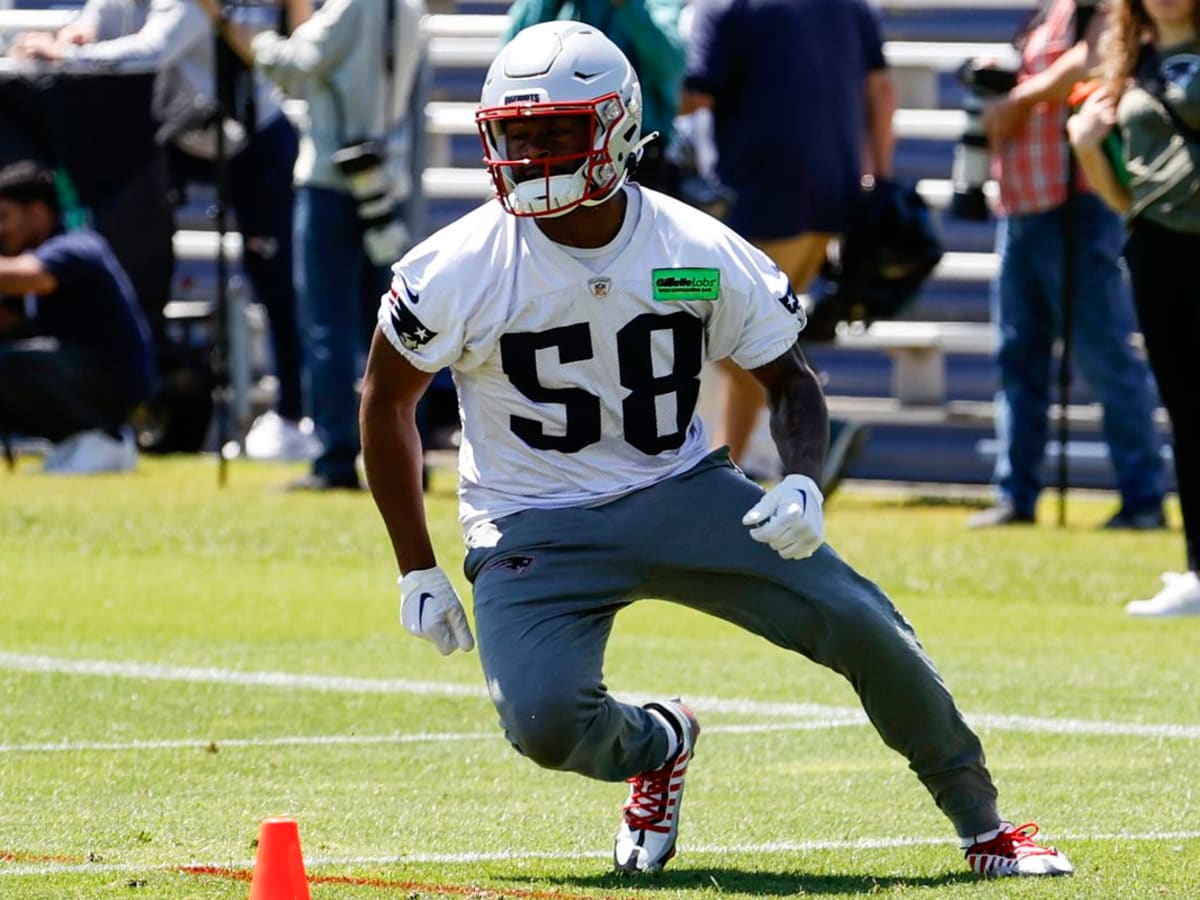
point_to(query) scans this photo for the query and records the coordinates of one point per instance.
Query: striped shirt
(1031, 165)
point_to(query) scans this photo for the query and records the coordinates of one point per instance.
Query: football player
(576, 311)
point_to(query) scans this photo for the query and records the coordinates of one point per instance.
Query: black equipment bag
(888, 250)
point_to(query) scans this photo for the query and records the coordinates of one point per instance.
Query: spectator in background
(796, 127)
(176, 38)
(1030, 161)
(647, 31)
(75, 350)
(356, 61)
(1151, 94)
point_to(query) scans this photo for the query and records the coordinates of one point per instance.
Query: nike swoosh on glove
(788, 518)
(430, 608)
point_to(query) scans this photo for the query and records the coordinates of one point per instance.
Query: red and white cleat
(650, 818)
(1014, 852)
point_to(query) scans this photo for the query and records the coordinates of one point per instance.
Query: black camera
(363, 164)
(983, 83)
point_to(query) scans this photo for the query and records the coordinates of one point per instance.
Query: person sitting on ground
(75, 349)
(174, 37)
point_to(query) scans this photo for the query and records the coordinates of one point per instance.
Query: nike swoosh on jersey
(414, 299)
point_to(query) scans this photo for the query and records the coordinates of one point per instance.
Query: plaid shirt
(1031, 165)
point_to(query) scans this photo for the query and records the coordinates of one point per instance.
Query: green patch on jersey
(687, 284)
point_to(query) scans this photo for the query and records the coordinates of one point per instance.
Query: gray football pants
(546, 595)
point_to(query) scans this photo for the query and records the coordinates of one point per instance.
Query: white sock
(971, 840)
(672, 737)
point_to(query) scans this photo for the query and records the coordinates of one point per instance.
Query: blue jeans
(338, 291)
(1027, 308)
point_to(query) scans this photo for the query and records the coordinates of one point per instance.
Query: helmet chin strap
(635, 156)
(635, 152)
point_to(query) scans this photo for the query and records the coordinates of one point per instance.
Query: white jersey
(576, 387)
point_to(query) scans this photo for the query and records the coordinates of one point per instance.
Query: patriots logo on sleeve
(791, 302)
(413, 333)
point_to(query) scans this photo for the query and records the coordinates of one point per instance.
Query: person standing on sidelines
(356, 63)
(576, 312)
(796, 129)
(1030, 156)
(1151, 95)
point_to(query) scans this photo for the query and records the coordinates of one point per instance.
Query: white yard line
(837, 715)
(333, 740)
(20, 662)
(316, 861)
(298, 740)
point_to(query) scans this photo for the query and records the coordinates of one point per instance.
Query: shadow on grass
(758, 884)
(936, 501)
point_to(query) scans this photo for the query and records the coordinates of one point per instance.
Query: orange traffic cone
(279, 865)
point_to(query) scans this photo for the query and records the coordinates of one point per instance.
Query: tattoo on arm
(799, 419)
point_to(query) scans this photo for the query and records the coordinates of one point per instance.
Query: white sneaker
(273, 437)
(91, 452)
(1180, 596)
(650, 818)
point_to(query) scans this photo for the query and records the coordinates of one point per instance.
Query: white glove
(430, 608)
(788, 518)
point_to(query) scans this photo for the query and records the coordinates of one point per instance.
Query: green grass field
(179, 661)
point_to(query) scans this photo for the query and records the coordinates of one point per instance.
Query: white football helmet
(561, 69)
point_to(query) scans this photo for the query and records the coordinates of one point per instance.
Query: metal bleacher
(925, 384)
